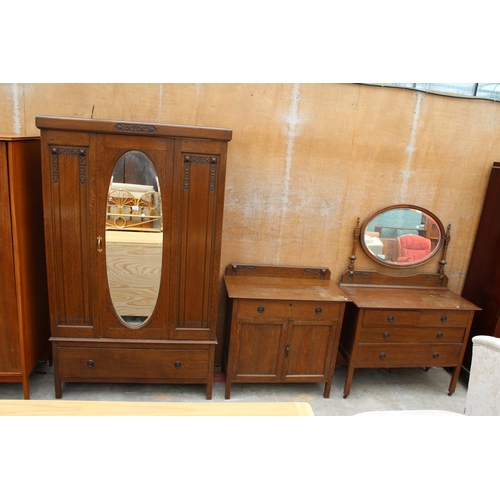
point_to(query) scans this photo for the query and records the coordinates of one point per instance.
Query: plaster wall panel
(12, 112)
(163, 103)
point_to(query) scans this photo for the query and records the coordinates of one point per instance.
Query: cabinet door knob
(439, 335)
(444, 318)
(260, 309)
(287, 350)
(386, 335)
(390, 318)
(382, 355)
(90, 363)
(435, 355)
(319, 310)
(177, 364)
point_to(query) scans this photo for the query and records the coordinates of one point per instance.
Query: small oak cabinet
(284, 325)
(133, 222)
(24, 333)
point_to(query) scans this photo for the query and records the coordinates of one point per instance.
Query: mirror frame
(403, 265)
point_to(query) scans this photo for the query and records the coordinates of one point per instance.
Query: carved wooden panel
(198, 202)
(70, 215)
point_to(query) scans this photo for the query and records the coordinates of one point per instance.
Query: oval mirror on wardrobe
(134, 238)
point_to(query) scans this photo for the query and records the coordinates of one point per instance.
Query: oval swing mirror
(134, 238)
(402, 236)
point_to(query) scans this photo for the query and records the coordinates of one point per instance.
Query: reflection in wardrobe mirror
(134, 239)
(402, 236)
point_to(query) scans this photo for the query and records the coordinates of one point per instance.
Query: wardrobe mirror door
(134, 238)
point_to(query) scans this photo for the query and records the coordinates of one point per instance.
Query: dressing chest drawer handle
(444, 318)
(435, 355)
(439, 335)
(319, 310)
(390, 318)
(260, 309)
(177, 364)
(90, 363)
(382, 355)
(386, 335)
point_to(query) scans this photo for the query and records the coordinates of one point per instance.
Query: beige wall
(306, 160)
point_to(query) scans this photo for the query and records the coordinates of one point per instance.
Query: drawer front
(407, 355)
(444, 318)
(390, 317)
(288, 309)
(425, 335)
(416, 317)
(118, 363)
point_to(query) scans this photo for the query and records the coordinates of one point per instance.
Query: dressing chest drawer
(379, 333)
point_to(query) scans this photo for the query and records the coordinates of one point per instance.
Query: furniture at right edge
(482, 284)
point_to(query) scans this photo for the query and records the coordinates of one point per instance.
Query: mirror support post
(442, 262)
(353, 255)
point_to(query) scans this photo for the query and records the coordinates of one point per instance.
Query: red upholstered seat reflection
(413, 248)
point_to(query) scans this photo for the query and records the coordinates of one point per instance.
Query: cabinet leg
(328, 386)
(26, 387)
(227, 395)
(348, 380)
(209, 390)
(454, 380)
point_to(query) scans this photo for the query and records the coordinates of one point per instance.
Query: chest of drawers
(390, 327)
(282, 329)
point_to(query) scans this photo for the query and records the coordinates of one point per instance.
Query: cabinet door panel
(197, 220)
(134, 263)
(259, 351)
(309, 350)
(68, 191)
(10, 356)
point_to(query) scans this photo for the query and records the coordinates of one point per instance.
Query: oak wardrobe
(24, 332)
(133, 220)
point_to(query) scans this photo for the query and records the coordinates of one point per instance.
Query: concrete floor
(372, 389)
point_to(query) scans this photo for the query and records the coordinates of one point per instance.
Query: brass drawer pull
(177, 364)
(390, 318)
(386, 335)
(319, 310)
(90, 363)
(439, 335)
(382, 355)
(99, 241)
(435, 355)
(260, 309)
(444, 318)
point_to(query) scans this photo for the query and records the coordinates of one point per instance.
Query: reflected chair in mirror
(483, 391)
(413, 248)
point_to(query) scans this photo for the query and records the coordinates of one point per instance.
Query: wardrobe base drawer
(407, 355)
(130, 364)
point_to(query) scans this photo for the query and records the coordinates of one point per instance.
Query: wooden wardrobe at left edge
(92, 340)
(24, 332)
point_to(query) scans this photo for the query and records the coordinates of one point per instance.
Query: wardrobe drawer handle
(444, 318)
(90, 363)
(386, 335)
(390, 318)
(435, 355)
(319, 310)
(382, 355)
(177, 364)
(260, 309)
(439, 335)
